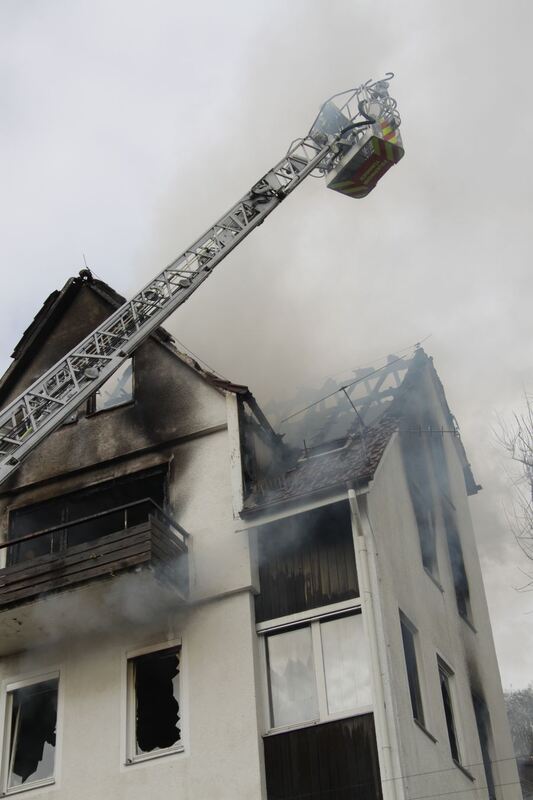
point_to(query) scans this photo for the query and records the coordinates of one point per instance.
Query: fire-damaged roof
(339, 440)
(355, 461)
(57, 303)
(391, 400)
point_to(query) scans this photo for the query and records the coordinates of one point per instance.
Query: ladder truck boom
(353, 141)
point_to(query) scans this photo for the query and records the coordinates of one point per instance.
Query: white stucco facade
(402, 584)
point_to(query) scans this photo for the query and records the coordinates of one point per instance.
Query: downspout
(391, 785)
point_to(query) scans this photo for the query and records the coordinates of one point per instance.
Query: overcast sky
(127, 127)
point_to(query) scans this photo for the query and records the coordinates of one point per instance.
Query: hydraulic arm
(352, 142)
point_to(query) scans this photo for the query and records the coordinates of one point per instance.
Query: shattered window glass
(117, 390)
(32, 732)
(157, 712)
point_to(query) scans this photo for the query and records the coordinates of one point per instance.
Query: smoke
(106, 607)
(149, 135)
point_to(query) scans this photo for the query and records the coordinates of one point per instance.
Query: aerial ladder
(353, 141)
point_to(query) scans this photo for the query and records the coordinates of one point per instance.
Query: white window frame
(7, 707)
(310, 618)
(444, 667)
(95, 410)
(131, 757)
(413, 630)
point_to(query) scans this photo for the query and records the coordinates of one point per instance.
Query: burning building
(193, 605)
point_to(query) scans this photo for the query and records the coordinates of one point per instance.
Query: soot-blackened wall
(306, 561)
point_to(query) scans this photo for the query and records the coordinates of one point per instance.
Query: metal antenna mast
(353, 141)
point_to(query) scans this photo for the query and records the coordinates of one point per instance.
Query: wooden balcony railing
(132, 536)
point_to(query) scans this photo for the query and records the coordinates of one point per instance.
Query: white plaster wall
(200, 497)
(218, 710)
(427, 766)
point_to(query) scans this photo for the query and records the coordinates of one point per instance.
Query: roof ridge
(55, 303)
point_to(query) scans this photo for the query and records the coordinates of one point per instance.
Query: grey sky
(127, 127)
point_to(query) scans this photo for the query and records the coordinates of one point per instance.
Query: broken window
(418, 474)
(318, 670)
(31, 714)
(154, 703)
(408, 638)
(64, 511)
(306, 561)
(445, 676)
(116, 391)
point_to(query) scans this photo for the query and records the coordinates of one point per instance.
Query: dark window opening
(444, 677)
(32, 732)
(484, 731)
(334, 761)
(408, 638)
(455, 550)
(418, 474)
(306, 561)
(65, 510)
(156, 686)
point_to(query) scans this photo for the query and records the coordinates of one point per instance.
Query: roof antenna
(86, 272)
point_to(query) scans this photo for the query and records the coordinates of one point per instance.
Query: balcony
(137, 537)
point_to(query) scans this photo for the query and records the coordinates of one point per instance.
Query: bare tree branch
(517, 440)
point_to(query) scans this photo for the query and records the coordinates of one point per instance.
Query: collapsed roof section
(335, 440)
(339, 408)
(339, 439)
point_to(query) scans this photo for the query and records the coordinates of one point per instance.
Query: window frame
(454, 548)
(311, 618)
(9, 687)
(130, 757)
(424, 501)
(90, 406)
(444, 669)
(59, 544)
(406, 623)
(451, 527)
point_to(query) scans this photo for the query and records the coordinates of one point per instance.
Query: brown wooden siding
(73, 506)
(306, 561)
(147, 544)
(334, 761)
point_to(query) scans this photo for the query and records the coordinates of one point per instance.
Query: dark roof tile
(354, 463)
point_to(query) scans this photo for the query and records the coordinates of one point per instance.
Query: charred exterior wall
(170, 402)
(463, 641)
(177, 421)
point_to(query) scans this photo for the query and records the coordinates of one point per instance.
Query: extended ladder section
(332, 142)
